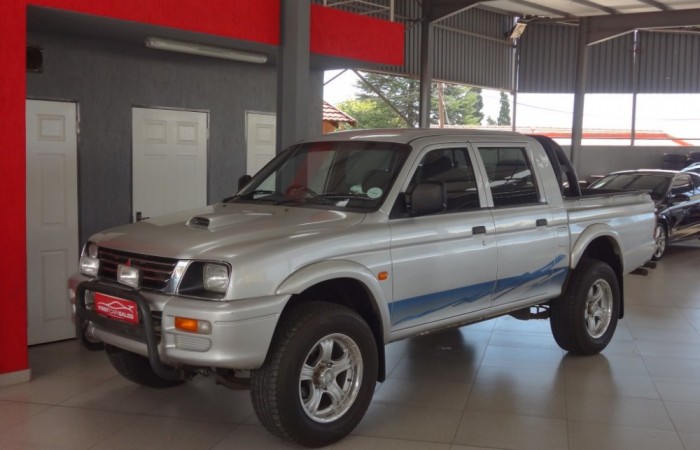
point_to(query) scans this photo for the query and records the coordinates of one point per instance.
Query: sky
(675, 114)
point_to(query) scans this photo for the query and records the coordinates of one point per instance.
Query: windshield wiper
(250, 195)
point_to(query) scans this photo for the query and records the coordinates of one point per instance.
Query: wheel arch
(602, 243)
(345, 283)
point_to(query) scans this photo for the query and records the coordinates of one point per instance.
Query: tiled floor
(502, 384)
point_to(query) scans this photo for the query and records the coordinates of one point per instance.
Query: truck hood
(221, 230)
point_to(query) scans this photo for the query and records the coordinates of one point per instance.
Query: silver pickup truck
(346, 243)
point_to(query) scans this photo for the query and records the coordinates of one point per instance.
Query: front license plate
(116, 308)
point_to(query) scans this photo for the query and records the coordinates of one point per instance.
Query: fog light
(192, 325)
(130, 276)
(89, 266)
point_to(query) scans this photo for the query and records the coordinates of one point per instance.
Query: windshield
(655, 184)
(348, 175)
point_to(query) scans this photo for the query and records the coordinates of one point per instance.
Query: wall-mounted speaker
(35, 59)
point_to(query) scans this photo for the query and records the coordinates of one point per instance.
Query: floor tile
(417, 424)
(511, 431)
(119, 394)
(505, 378)
(613, 363)
(626, 411)
(48, 389)
(148, 433)
(443, 369)
(685, 416)
(605, 436)
(612, 384)
(202, 399)
(524, 402)
(371, 443)
(678, 390)
(13, 413)
(437, 394)
(70, 427)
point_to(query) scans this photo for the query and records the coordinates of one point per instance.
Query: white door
(169, 161)
(261, 136)
(52, 218)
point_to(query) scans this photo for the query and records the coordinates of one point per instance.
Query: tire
(660, 242)
(297, 394)
(584, 318)
(136, 368)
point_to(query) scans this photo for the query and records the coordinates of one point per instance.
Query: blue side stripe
(413, 308)
(424, 305)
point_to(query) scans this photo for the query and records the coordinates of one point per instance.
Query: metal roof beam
(607, 27)
(441, 9)
(545, 9)
(656, 5)
(605, 9)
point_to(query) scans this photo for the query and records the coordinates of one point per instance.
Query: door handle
(541, 222)
(479, 230)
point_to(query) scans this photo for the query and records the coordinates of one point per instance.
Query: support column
(293, 73)
(579, 91)
(426, 64)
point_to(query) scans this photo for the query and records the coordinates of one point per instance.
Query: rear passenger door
(444, 264)
(529, 254)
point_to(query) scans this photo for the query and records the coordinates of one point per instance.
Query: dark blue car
(677, 198)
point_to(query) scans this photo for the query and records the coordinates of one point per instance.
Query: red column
(13, 276)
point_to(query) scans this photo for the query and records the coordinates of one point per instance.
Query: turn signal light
(192, 325)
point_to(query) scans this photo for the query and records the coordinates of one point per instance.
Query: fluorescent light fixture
(205, 50)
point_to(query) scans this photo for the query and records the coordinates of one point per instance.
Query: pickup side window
(453, 167)
(509, 176)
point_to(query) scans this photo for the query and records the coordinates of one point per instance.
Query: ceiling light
(517, 30)
(205, 50)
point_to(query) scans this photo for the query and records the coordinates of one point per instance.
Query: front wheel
(319, 375)
(584, 318)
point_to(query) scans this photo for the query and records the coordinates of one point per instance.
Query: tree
(504, 113)
(463, 104)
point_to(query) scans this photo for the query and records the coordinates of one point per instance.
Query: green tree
(504, 113)
(463, 104)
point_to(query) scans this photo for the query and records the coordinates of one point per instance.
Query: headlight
(216, 278)
(89, 266)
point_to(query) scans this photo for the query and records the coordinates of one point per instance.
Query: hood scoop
(213, 221)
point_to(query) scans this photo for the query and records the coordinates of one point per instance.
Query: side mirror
(428, 197)
(242, 181)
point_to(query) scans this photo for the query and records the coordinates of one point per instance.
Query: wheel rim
(660, 241)
(330, 378)
(599, 306)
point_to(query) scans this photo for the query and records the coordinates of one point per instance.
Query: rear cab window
(510, 175)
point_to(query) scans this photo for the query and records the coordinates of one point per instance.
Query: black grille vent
(155, 271)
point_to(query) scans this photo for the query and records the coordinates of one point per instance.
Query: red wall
(333, 34)
(13, 292)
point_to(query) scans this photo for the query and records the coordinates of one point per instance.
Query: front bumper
(241, 330)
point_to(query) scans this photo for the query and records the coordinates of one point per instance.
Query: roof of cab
(406, 135)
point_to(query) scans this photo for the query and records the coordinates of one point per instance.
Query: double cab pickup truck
(343, 244)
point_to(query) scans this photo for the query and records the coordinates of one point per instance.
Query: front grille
(155, 271)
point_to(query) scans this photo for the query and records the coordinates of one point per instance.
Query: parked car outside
(676, 195)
